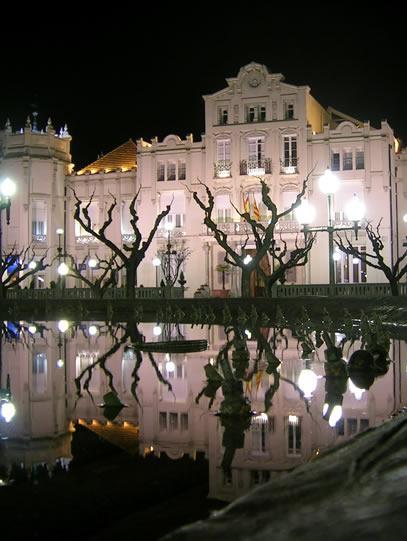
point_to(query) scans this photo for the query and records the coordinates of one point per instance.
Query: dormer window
(255, 113)
(288, 111)
(222, 115)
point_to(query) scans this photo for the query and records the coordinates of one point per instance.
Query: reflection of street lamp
(7, 190)
(355, 210)
(7, 408)
(307, 380)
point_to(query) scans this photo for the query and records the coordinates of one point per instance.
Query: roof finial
(28, 122)
(7, 126)
(50, 127)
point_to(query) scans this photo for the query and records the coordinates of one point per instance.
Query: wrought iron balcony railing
(223, 169)
(40, 239)
(289, 166)
(255, 168)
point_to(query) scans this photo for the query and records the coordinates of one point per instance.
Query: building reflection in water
(60, 377)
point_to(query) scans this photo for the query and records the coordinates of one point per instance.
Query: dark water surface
(130, 430)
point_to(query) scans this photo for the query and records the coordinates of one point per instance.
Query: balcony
(128, 238)
(289, 166)
(223, 169)
(39, 238)
(243, 228)
(86, 239)
(255, 168)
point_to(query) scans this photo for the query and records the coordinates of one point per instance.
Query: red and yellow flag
(256, 211)
(246, 203)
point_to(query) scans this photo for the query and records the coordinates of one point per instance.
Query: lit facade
(257, 126)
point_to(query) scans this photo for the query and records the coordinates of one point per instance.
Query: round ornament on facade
(254, 82)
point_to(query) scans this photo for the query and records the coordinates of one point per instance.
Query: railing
(128, 237)
(290, 166)
(340, 290)
(177, 232)
(86, 239)
(242, 228)
(39, 238)
(255, 168)
(223, 169)
(87, 293)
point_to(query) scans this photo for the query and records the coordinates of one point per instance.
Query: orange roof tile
(122, 158)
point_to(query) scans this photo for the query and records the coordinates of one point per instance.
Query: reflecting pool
(246, 403)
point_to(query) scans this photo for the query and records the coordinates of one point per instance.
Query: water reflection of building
(171, 422)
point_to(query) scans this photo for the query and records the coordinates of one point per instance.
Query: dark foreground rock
(355, 491)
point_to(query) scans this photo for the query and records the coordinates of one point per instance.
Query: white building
(257, 126)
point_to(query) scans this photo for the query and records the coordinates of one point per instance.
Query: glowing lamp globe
(63, 325)
(335, 415)
(156, 262)
(63, 269)
(355, 209)
(7, 188)
(307, 382)
(93, 330)
(92, 263)
(7, 411)
(305, 213)
(328, 183)
(157, 330)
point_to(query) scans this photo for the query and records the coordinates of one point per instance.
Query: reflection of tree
(228, 374)
(121, 334)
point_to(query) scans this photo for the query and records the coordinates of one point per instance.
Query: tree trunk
(223, 280)
(246, 283)
(131, 270)
(394, 286)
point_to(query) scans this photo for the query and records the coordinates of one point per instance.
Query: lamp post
(355, 210)
(169, 226)
(7, 408)
(7, 190)
(63, 268)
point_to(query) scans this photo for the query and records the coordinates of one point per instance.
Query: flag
(256, 212)
(246, 203)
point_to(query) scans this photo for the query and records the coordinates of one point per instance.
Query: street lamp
(169, 226)
(62, 268)
(156, 263)
(355, 210)
(7, 190)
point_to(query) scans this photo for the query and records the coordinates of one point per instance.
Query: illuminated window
(288, 111)
(290, 153)
(39, 220)
(171, 171)
(335, 161)
(160, 172)
(163, 420)
(223, 150)
(184, 421)
(347, 161)
(173, 421)
(360, 159)
(294, 438)
(182, 170)
(222, 115)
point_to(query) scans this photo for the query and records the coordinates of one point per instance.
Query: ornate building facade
(257, 126)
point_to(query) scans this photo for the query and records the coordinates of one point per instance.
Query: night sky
(142, 74)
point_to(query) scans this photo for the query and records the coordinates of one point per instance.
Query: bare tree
(14, 267)
(128, 257)
(375, 259)
(106, 276)
(171, 264)
(263, 235)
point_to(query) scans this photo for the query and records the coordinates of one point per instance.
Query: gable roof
(122, 158)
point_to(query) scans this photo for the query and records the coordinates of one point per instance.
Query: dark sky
(143, 73)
